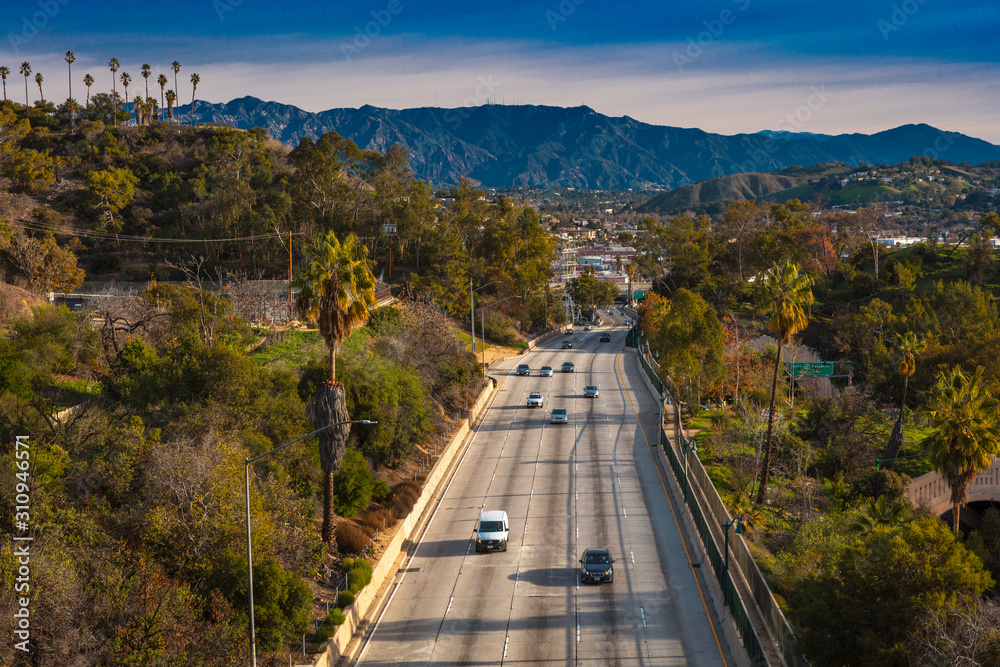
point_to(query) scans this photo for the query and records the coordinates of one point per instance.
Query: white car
(535, 400)
(586, 327)
(559, 416)
(545, 371)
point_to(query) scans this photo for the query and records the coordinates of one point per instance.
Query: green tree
(38, 80)
(870, 604)
(689, 338)
(782, 296)
(110, 191)
(31, 171)
(965, 438)
(146, 72)
(353, 484)
(12, 130)
(4, 73)
(879, 512)
(336, 288)
(589, 291)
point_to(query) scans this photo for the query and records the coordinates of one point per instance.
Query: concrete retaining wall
(359, 612)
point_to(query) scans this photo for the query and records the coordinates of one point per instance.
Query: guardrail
(698, 480)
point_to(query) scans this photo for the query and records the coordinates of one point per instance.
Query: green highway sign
(820, 368)
(638, 295)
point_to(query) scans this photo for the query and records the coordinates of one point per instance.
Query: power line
(109, 236)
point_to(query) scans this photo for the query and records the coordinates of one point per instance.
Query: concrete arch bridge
(933, 491)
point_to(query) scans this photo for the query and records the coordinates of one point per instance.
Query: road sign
(638, 295)
(814, 368)
(388, 229)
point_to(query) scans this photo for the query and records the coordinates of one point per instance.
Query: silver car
(545, 371)
(535, 400)
(591, 391)
(559, 416)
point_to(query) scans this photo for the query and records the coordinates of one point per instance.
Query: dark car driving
(597, 565)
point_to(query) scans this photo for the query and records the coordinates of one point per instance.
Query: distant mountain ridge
(542, 146)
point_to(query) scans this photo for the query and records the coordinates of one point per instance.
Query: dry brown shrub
(378, 519)
(351, 539)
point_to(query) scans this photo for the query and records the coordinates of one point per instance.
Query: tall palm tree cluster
(145, 109)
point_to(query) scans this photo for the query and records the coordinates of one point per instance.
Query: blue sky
(725, 65)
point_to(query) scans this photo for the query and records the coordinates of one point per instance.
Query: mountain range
(502, 146)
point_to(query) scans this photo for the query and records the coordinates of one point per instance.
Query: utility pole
(291, 303)
(472, 316)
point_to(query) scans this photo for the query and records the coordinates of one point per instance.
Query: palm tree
(176, 67)
(38, 80)
(162, 80)
(966, 437)
(171, 98)
(4, 71)
(114, 65)
(879, 513)
(152, 107)
(139, 109)
(910, 345)
(195, 80)
(781, 297)
(337, 289)
(147, 72)
(126, 79)
(88, 81)
(26, 70)
(70, 58)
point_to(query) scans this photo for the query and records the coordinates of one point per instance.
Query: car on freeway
(492, 531)
(605, 338)
(569, 330)
(545, 371)
(597, 565)
(567, 345)
(586, 326)
(559, 416)
(535, 400)
(591, 391)
(523, 369)
(567, 367)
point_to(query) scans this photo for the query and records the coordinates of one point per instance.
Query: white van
(492, 531)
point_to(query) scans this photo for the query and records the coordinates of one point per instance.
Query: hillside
(541, 146)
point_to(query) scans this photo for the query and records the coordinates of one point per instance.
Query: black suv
(605, 338)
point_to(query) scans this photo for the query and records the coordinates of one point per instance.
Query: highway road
(589, 483)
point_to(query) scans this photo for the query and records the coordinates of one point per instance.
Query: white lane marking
(494, 478)
(517, 578)
(577, 581)
(643, 617)
(578, 532)
(578, 632)
(619, 482)
(624, 512)
(525, 529)
(505, 646)
(448, 610)
(632, 555)
(468, 549)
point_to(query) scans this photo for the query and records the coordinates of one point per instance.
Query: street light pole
(691, 445)
(738, 520)
(246, 473)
